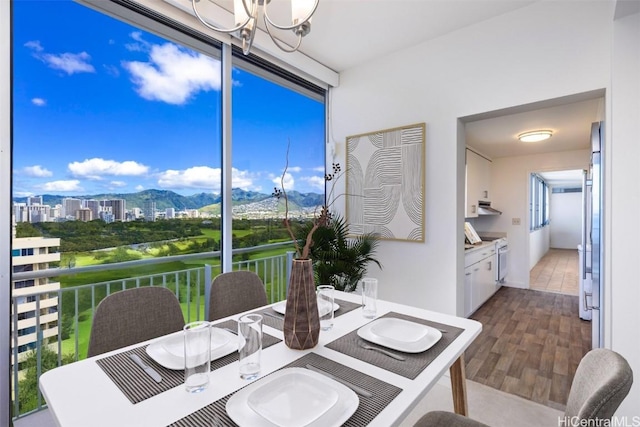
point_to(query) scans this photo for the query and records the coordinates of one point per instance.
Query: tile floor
(557, 271)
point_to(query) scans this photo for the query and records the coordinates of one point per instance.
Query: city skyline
(120, 110)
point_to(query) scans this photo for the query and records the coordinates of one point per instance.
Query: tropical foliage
(338, 259)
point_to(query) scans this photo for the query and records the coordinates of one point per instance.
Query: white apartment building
(35, 307)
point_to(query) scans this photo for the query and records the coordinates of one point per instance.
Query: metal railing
(47, 335)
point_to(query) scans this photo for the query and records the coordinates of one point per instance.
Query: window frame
(539, 192)
(140, 16)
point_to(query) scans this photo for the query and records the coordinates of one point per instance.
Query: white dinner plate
(293, 397)
(169, 351)
(281, 307)
(399, 334)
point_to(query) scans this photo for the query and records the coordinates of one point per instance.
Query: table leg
(458, 386)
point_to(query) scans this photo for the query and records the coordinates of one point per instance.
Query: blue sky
(100, 106)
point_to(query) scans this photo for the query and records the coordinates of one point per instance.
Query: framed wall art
(385, 183)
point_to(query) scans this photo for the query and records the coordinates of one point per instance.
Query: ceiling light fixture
(246, 17)
(535, 136)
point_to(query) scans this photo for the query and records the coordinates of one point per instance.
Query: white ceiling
(347, 33)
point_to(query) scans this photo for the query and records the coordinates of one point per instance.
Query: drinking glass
(250, 345)
(197, 356)
(325, 306)
(369, 296)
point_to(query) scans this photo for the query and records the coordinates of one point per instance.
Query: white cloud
(296, 169)
(71, 185)
(243, 180)
(316, 182)
(70, 63)
(97, 168)
(38, 102)
(201, 177)
(36, 171)
(118, 184)
(112, 70)
(205, 178)
(287, 182)
(318, 169)
(139, 187)
(34, 45)
(173, 74)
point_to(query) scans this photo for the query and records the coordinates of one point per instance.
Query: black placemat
(272, 318)
(414, 363)
(138, 386)
(215, 414)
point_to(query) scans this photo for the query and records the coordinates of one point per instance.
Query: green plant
(338, 259)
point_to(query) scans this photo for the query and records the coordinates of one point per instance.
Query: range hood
(484, 208)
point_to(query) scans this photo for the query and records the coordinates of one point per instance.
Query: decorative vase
(301, 321)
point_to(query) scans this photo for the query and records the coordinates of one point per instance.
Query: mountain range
(168, 199)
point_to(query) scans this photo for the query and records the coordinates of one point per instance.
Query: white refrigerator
(590, 250)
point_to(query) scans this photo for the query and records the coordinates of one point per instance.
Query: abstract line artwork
(385, 183)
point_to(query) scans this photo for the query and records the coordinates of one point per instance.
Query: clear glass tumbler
(325, 306)
(250, 345)
(197, 356)
(369, 297)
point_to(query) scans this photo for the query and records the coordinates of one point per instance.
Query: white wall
(622, 204)
(510, 187)
(477, 69)
(565, 228)
(538, 247)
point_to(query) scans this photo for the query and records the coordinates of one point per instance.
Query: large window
(117, 156)
(538, 203)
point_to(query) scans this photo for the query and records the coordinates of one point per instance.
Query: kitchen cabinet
(479, 277)
(478, 182)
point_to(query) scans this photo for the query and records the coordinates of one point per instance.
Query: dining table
(112, 389)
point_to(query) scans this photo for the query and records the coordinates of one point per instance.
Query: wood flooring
(530, 345)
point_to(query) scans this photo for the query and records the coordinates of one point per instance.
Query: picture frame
(385, 173)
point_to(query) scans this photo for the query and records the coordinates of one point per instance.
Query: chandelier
(246, 14)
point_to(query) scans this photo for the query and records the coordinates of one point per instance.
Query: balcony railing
(59, 335)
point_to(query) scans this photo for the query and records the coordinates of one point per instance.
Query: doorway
(506, 356)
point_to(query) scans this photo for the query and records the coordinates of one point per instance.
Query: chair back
(235, 292)
(601, 383)
(132, 316)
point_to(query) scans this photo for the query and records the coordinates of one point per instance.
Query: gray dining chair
(602, 381)
(235, 292)
(132, 316)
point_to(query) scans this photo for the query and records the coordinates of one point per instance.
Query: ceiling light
(535, 136)
(246, 14)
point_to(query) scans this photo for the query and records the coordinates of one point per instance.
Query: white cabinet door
(468, 287)
(471, 188)
(486, 280)
(479, 283)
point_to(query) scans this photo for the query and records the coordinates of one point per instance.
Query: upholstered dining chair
(132, 316)
(235, 292)
(602, 381)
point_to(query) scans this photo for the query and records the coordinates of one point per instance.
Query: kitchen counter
(472, 248)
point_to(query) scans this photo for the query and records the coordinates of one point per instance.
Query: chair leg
(459, 387)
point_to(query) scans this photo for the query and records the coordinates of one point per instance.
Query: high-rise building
(70, 206)
(84, 214)
(169, 213)
(94, 205)
(149, 210)
(35, 301)
(34, 200)
(118, 207)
